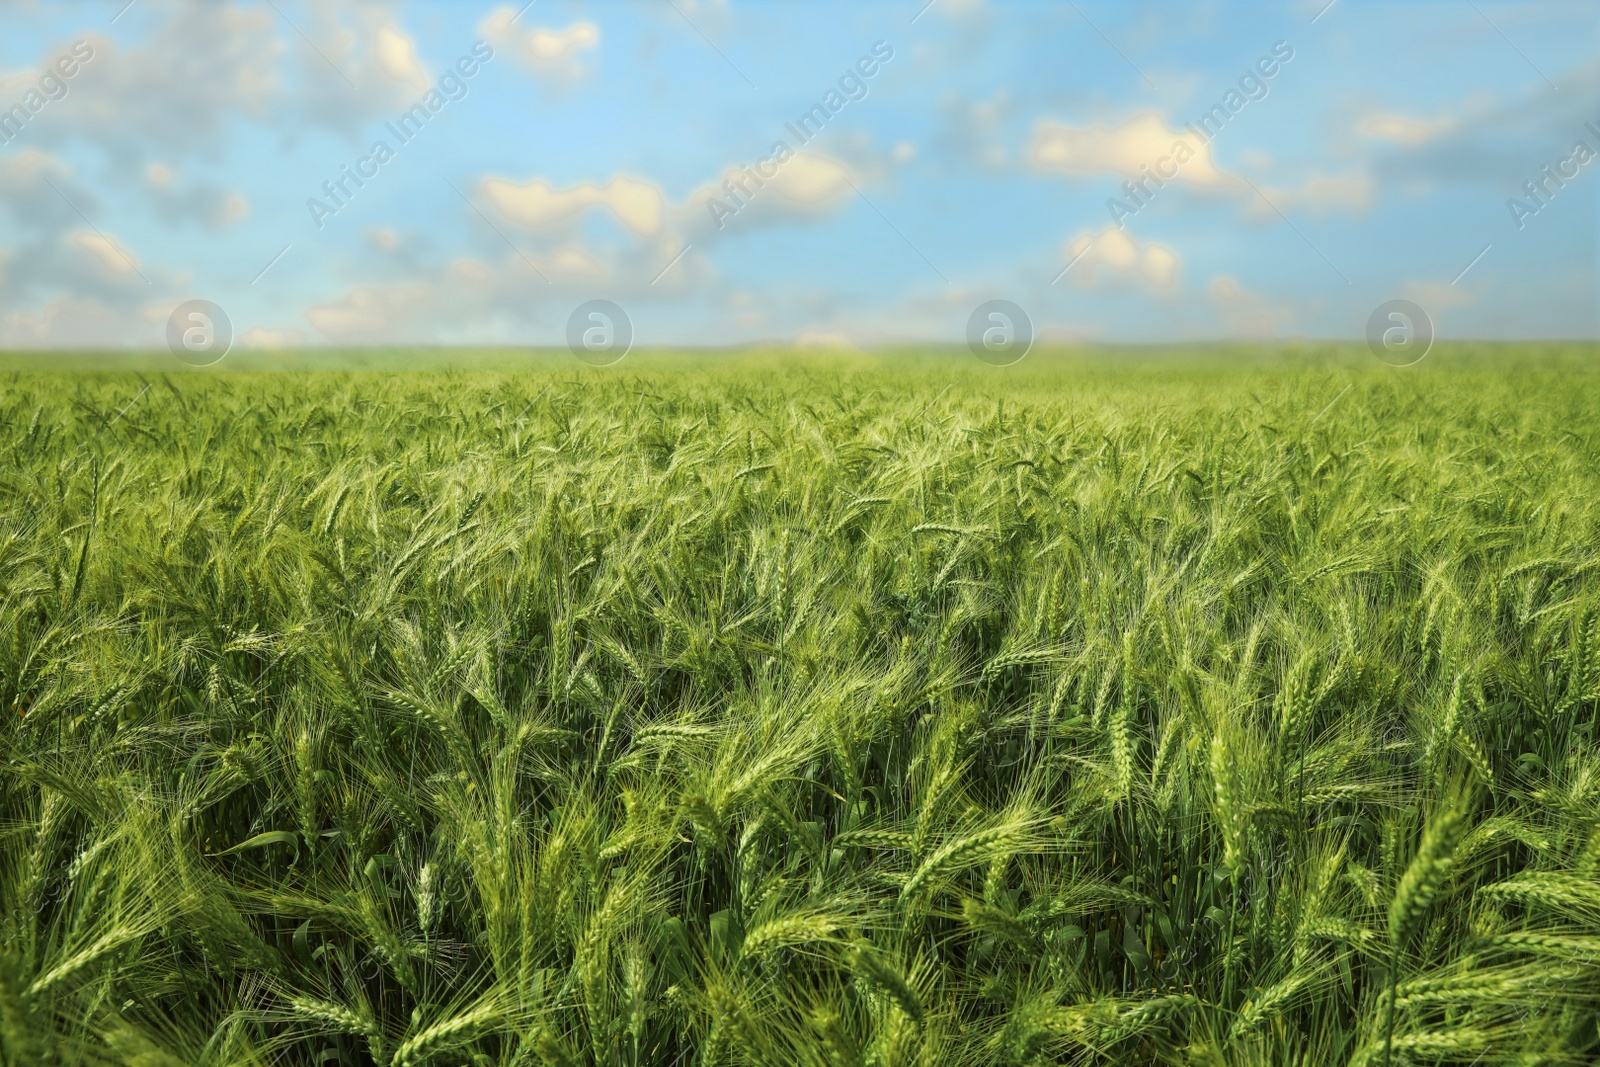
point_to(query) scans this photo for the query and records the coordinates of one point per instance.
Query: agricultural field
(1220, 711)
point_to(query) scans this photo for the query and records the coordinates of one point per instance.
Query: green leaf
(271, 837)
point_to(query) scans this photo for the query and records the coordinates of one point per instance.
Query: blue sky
(587, 159)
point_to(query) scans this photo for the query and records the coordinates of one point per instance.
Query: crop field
(872, 713)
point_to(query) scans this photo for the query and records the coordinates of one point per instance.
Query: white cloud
(396, 55)
(550, 47)
(1492, 140)
(807, 187)
(39, 202)
(812, 183)
(1143, 144)
(105, 251)
(355, 63)
(637, 204)
(1122, 256)
(554, 55)
(174, 89)
(574, 262)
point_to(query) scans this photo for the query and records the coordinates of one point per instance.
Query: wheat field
(874, 713)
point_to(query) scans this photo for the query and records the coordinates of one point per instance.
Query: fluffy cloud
(1141, 145)
(1121, 256)
(201, 64)
(812, 183)
(355, 64)
(635, 203)
(1146, 147)
(111, 256)
(396, 56)
(807, 187)
(552, 49)
(574, 262)
(37, 192)
(554, 55)
(1485, 140)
